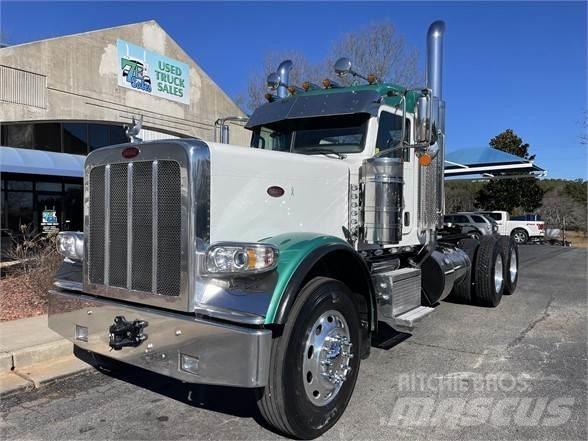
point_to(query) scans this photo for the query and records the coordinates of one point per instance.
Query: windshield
(314, 136)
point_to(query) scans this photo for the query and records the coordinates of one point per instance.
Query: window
(478, 219)
(461, 219)
(47, 136)
(314, 136)
(495, 216)
(98, 135)
(19, 209)
(389, 133)
(118, 135)
(75, 138)
(49, 186)
(19, 185)
(18, 135)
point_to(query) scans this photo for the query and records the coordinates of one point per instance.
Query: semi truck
(274, 267)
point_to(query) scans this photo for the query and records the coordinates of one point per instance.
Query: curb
(34, 376)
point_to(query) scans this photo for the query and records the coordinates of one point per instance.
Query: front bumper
(225, 354)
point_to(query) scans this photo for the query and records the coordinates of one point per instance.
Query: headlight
(71, 245)
(241, 258)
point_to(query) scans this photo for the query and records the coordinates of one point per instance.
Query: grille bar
(130, 225)
(135, 225)
(106, 225)
(154, 214)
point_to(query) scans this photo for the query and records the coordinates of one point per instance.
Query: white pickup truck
(521, 230)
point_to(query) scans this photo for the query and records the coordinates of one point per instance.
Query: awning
(38, 162)
(489, 163)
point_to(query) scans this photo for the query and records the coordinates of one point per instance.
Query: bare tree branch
(376, 49)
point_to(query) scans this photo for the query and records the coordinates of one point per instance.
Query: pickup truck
(520, 230)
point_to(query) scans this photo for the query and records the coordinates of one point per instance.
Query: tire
(489, 272)
(289, 402)
(475, 235)
(462, 291)
(511, 273)
(520, 236)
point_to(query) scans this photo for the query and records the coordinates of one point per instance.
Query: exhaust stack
(435, 58)
(284, 73)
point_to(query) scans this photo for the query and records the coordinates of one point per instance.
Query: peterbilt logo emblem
(130, 152)
(275, 191)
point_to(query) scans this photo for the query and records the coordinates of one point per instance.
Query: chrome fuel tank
(381, 181)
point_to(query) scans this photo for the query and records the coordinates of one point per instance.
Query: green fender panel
(293, 249)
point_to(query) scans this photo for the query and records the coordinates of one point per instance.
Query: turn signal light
(371, 78)
(306, 85)
(292, 90)
(326, 83)
(425, 160)
(245, 258)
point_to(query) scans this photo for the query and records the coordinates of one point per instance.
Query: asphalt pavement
(517, 371)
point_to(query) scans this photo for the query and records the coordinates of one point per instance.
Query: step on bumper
(176, 345)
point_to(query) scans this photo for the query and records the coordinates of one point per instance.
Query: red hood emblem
(130, 152)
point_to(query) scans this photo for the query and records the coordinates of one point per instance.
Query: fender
(298, 254)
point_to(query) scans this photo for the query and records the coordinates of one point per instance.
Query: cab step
(410, 318)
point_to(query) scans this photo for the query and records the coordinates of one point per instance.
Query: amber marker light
(326, 83)
(425, 160)
(371, 78)
(268, 96)
(292, 90)
(306, 86)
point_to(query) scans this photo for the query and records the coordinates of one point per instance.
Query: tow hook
(124, 333)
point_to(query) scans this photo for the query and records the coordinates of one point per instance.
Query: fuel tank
(445, 267)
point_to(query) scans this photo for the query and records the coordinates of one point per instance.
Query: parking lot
(514, 372)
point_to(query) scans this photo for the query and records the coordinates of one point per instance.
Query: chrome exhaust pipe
(284, 73)
(435, 58)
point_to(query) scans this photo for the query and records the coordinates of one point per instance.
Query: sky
(507, 64)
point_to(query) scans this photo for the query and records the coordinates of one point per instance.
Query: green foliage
(523, 194)
(509, 142)
(517, 194)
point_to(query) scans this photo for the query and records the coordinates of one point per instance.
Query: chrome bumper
(221, 354)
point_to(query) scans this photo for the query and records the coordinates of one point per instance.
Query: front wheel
(315, 362)
(520, 236)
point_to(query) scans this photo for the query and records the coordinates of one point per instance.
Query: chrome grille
(135, 226)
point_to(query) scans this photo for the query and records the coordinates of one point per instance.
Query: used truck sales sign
(151, 73)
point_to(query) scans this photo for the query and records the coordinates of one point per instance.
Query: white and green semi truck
(273, 267)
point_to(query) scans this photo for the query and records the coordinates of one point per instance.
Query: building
(63, 97)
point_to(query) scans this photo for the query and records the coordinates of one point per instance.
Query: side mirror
(273, 81)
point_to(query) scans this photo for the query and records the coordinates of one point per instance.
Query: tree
(375, 49)
(509, 194)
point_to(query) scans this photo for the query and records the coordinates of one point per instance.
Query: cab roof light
(307, 85)
(372, 79)
(330, 84)
(293, 90)
(270, 97)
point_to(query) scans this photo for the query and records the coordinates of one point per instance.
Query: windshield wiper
(321, 152)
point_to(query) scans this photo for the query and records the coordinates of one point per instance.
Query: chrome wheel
(519, 237)
(498, 273)
(326, 359)
(513, 268)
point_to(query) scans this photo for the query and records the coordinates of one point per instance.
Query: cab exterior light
(292, 90)
(425, 160)
(71, 245)
(240, 258)
(306, 86)
(372, 79)
(326, 83)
